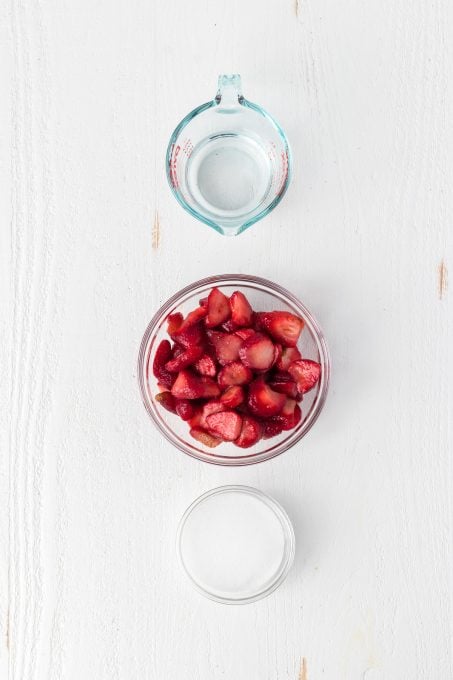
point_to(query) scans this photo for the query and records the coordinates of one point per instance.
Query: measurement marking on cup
(173, 161)
(187, 147)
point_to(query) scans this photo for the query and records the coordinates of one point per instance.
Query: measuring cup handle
(230, 91)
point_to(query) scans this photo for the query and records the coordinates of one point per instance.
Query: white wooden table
(93, 243)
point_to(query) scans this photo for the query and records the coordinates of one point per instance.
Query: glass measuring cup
(228, 161)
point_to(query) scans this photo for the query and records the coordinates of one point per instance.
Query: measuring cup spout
(229, 229)
(229, 93)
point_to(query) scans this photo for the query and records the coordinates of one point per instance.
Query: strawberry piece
(233, 396)
(203, 302)
(245, 333)
(206, 366)
(241, 312)
(251, 433)
(226, 424)
(210, 407)
(288, 408)
(190, 335)
(277, 353)
(204, 437)
(289, 354)
(161, 387)
(283, 383)
(257, 352)
(185, 409)
(290, 416)
(167, 400)
(226, 346)
(218, 308)
(194, 317)
(281, 326)
(228, 326)
(271, 429)
(306, 373)
(184, 359)
(162, 355)
(176, 351)
(174, 321)
(234, 374)
(243, 408)
(262, 399)
(188, 385)
(195, 420)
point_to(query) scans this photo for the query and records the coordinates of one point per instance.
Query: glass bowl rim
(287, 528)
(317, 406)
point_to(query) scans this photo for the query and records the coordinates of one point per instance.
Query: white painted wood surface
(93, 243)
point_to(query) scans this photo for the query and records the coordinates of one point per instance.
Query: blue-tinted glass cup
(228, 161)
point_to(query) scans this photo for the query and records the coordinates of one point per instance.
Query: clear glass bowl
(235, 544)
(263, 295)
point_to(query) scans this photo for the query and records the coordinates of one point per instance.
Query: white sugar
(233, 544)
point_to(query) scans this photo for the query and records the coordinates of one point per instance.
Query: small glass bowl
(235, 544)
(263, 295)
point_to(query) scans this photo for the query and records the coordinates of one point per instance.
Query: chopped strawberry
(189, 335)
(290, 416)
(257, 352)
(210, 407)
(306, 373)
(194, 317)
(162, 355)
(288, 408)
(206, 365)
(234, 374)
(195, 420)
(185, 409)
(203, 302)
(226, 424)
(218, 308)
(241, 312)
(251, 433)
(174, 321)
(226, 346)
(282, 382)
(176, 350)
(289, 354)
(167, 400)
(263, 401)
(184, 359)
(245, 333)
(188, 385)
(228, 326)
(277, 353)
(233, 396)
(204, 437)
(281, 326)
(271, 428)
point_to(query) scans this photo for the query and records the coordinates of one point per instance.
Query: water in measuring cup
(228, 175)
